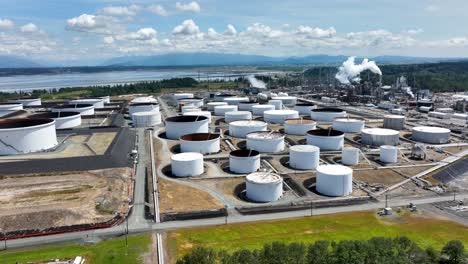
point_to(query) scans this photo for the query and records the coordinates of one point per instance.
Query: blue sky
(86, 31)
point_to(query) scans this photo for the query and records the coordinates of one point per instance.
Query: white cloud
(315, 32)
(414, 31)
(259, 29)
(83, 22)
(29, 28)
(108, 39)
(187, 28)
(99, 24)
(121, 10)
(158, 10)
(6, 24)
(142, 34)
(230, 31)
(190, 7)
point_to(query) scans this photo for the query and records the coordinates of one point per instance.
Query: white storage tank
(10, 107)
(237, 115)
(431, 135)
(263, 187)
(178, 126)
(96, 102)
(348, 125)
(278, 104)
(299, 126)
(83, 109)
(189, 108)
(334, 180)
(26, 135)
(286, 100)
(211, 105)
(187, 164)
(326, 139)
(63, 120)
(236, 100)
(304, 157)
(203, 143)
(350, 156)
(27, 101)
(388, 154)
(142, 107)
(279, 116)
(179, 96)
(265, 141)
(260, 109)
(304, 108)
(326, 114)
(221, 97)
(199, 113)
(241, 128)
(223, 109)
(146, 119)
(193, 101)
(440, 115)
(144, 99)
(380, 136)
(244, 161)
(246, 106)
(106, 99)
(396, 122)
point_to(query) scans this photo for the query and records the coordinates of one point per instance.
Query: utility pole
(386, 200)
(311, 207)
(226, 216)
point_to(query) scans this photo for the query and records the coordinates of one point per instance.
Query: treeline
(377, 250)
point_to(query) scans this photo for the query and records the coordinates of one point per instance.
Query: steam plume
(349, 70)
(254, 82)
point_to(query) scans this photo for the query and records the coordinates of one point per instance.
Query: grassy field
(108, 251)
(424, 230)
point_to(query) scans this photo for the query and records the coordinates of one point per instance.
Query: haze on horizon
(85, 31)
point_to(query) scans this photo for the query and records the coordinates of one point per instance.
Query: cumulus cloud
(262, 30)
(29, 28)
(108, 39)
(315, 32)
(187, 28)
(158, 10)
(142, 34)
(131, 10)
(190, 7)
(83, 22)
(230, 31)
(99, 24)
(6, 24)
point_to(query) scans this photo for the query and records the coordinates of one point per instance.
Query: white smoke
(256, 83)
(349, 70)
(408, 91)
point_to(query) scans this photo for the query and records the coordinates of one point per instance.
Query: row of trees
(377, 250)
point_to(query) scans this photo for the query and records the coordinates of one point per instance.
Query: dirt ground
(41, 201)
(386, 177)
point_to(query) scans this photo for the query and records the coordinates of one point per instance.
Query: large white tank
(246, 106)
(263, 186)
(326, 139)
(298, 126)
(326, 114)
(304, 157)
(286, 100)
(144, 99)
(203, 143)
(189, 108)
(27, 101)
(187, 164)
(265, 141)
(348, 125)
(388, 154)
(237, 115)
(223, 109)
(192, 101)
(244, 161)
(178, 126)
(235, 100)
(396, 122)
(96, 102)
(241, 128)
(431, 135)
(199, 113)
(380, 136)
(83, 109)
(278, 104)
(10, 107)
(179, 96)
(25, 135)
(146, 119)
(260, 109)
(221, 97)
(211, 105)
(63, 120)
(279, 116)
(142, 107)
(334, 180)
(304, 108)
(106, 99)
(350, 156)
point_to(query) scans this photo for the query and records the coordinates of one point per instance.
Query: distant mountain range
(218, 59)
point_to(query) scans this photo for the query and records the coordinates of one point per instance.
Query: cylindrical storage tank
(237, 115)
(263, 187)
(348, 125)
(431, 135)
(350, 156)
(200, 113)
(286, 100)
(278, 104)
(223, 109)
(179, 96)
(83, 109)
(298, 126)
(388, 154)
(304, 157)
(326, 114)
(187, 164)
(146, 119)
(27, 101)
(241, 128)
(265, 141)
(195, 102)
(244, 161)
(26, 135)
(178, 126)
(142, 107)
(106, 99)
(63, 120)
(200, 142)
(96, 102)
(380, 136)
(246, 106)
(235, 100)
(10, 107)
(189, 108)
(144, 99)
(260, 109)
(334, 180)
(396, 122)
(326, 139)
(304, 108)
(211, 105)
(279, 116)
(221, 97)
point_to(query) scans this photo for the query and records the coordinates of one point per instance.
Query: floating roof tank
(265, 141)
(235, 100)
(380, 136)
(221, 97)
(63, 120)
(193, 101)
(246, 106)
(304, 108)
(237, 115)
(83, 109)
(326, 139)
(264, 186)
(326, 114)
(144, 99)
(260, 109)
(279, 116)
(187, 164)
(348, 125)
(178, 96)
(241, 128)
(199, 113)
(244, 161)
(334, 180)
(27, 101)
(96, 102)
(11, 107)
(304, 157)
(223, 109)
(431, 135)
(142, 107)
(211, 105)
(299, 126)
(203, 143)
(178, 126)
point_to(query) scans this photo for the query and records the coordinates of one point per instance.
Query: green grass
(425, 231)
(107, 251)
